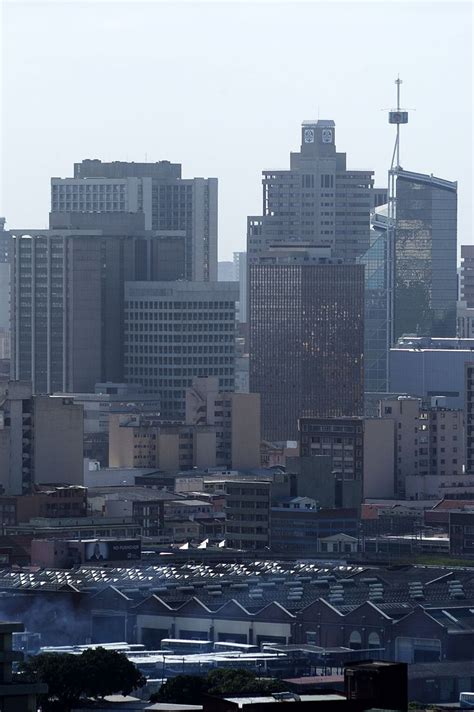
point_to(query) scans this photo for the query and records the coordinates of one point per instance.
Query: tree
(95, 673)
(240, 682)
(106, 672)
(60, 672)
(186, 689)
(182, 689)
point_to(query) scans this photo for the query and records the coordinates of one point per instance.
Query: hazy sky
(222, 88)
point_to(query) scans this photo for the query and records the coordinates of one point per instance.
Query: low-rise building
(298, 530)
(109, 398)
(146, 507)
(461, 533)
(40, 439)
(361, 452)
(464, 321)
(80, 528)
(426, 366)
(64, 554)
(220, 429)
(247, 508)
(429, 448)
(15, 696)
(57, 502)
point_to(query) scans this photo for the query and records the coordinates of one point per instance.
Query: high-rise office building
(416, 291)
(425, 286)
(176, 331)
(4, 276)
(240, 267)
(317, 201)
(306, 339)
(375, 316)
(171, 205)
(67, 298)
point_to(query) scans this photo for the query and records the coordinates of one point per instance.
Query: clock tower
(317, 138)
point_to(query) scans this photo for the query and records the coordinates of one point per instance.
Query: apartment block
(469, 417)
(429, 448)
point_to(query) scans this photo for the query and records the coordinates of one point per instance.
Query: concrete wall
(314, 478)
(16, 396)
(404, 412)
(4, 295)
(245, 430)
(379, 458)
(427, 372)
(205, 448)
(84, 315)
(167, 445)
(213, 627)
(58, 441)
(120, 444)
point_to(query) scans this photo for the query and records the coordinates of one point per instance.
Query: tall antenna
(398, 117)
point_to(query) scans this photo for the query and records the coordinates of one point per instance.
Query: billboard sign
(113, 550)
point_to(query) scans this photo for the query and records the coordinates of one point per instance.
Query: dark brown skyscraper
(306, 341)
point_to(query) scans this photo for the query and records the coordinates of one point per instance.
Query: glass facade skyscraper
(425, 256)
(375, 318)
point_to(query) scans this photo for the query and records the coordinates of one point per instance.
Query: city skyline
(245, 113)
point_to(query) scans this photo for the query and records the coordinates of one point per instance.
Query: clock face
(309, 135)
(327, 136)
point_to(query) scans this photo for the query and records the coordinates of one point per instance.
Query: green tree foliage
(59, 672)
(182, 689)
(106, 672)
(94, 673)
(186, 689)
(240, 682)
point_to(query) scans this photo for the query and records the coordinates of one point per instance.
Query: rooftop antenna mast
(398, 117)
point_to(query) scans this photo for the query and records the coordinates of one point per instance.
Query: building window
(355, 640)
(374, 640)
